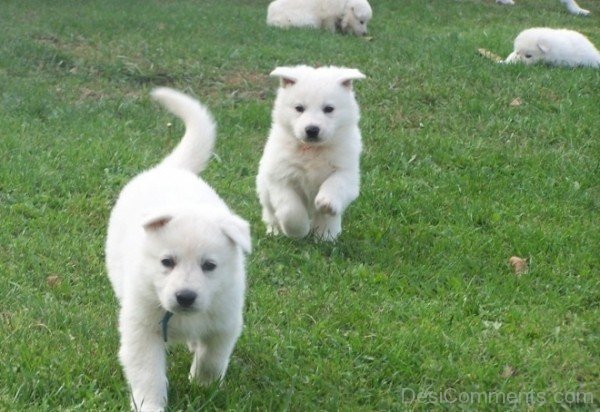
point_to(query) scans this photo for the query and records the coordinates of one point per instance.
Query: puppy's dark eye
(208, 266)
(299, 108)
(328, 109)
(362, 22)
(528, 56)
(168, 262)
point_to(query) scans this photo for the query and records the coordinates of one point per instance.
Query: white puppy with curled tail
(309, 172)
(556, 47)
(175, 257)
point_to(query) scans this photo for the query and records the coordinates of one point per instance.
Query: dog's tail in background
(195, 148)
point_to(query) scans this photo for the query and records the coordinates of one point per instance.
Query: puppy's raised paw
(326, 205)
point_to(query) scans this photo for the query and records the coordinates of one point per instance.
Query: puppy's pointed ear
(156, 222)
(287, 75)
(238, 231)
(543, 46)
(348, 75)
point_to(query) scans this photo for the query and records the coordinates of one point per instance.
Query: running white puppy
(174, 249)
(309, 171)
(571, 5)
(558, 47)
(349, 16)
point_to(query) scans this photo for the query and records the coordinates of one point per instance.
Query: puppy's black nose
(186, 298)
(312, 132)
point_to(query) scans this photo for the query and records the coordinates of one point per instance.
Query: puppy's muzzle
(312, 133)
(186, 298)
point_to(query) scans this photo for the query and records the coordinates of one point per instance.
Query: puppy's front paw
(147, 408)
(326, 235)
(326, 205)
(206, 376)
(272, 229)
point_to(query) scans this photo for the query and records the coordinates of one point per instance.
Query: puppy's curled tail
(195, 148)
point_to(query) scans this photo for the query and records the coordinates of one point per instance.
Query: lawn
(465, 164)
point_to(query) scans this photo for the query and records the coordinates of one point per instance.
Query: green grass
(415, 301)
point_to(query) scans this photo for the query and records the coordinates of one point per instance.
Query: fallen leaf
(52, 281)
(520, 266)
(489, 55)
(492, 324)
(508, 371)
(516, 102)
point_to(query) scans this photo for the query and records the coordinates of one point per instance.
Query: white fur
(571, 6)
(168, 212)
(350, 16)
(306, 184)
(558, 47)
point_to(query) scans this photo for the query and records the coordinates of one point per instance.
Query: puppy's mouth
(312, 140)
(183, 311)
(310, 145)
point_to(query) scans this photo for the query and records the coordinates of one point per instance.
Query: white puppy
(558, 47)
(571, 5)
(175, 249)
(309, 171)
(350, 16)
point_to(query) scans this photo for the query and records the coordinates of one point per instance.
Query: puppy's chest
(310, 169)
(189, 328)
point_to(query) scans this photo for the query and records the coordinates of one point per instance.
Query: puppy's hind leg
(574, 8)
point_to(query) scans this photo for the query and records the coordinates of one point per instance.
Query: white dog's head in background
(529, 48)
(191, 255)
(555, 47)
(357, 15)
(315, 104)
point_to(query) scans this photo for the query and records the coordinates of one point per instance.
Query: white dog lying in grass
(557, 47)
(349, 16)
(174, 249)
(309, 171)
(572, 6)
